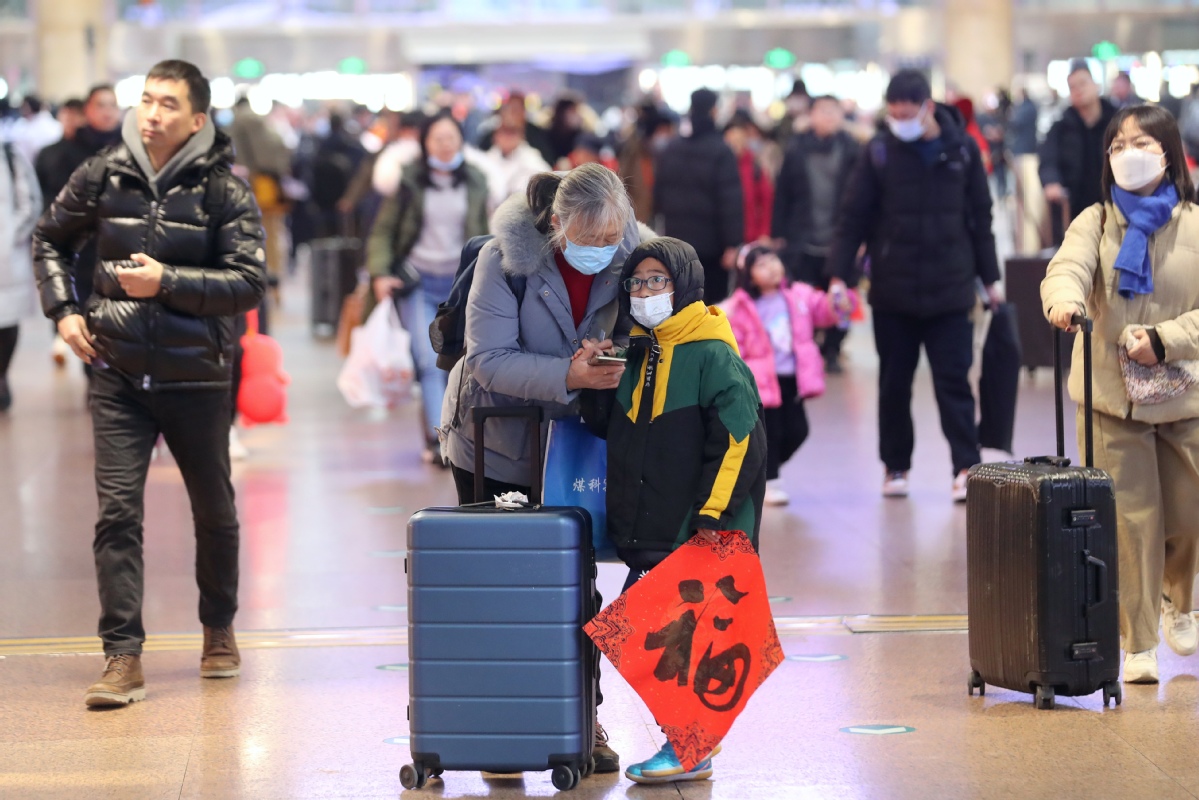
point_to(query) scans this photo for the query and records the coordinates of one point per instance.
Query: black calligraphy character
(716, 676)
(676, 639)
(728, 587)
(691, 591)
(721, 624)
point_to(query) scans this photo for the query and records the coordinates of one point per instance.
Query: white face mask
(907, 130)
(1136, 169)
(652, 311)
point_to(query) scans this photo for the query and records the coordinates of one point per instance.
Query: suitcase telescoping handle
(534, 415)
(1085, 323)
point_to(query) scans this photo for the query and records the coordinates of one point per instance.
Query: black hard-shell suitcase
(335, 263)
(1042, 570)
(502, 677)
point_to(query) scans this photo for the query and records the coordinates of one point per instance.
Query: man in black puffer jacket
(179, 254)
(919, 200)
(697, 192)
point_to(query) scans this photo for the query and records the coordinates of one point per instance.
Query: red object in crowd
(757, 192)
(695, 639)
(262, 397)
(966, 106)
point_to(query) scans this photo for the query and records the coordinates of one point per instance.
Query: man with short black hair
(180, 253)
(920, 201)
(1072, 154)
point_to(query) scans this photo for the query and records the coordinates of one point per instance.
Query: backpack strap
(878, 153)
(214, 195)
(97, 174)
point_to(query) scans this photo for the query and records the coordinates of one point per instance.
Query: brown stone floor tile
(122, 768)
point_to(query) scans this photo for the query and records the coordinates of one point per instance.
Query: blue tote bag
(576, 474)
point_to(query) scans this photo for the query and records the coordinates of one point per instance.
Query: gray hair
(590, 198)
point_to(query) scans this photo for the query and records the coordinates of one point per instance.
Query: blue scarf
(1145, 215)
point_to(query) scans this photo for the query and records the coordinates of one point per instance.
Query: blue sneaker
(665, 768)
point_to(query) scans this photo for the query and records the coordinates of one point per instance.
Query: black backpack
(447, 332)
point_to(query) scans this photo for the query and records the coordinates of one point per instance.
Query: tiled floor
(323, 506)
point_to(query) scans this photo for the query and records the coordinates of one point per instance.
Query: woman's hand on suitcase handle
(708, 535)
(1062, 316)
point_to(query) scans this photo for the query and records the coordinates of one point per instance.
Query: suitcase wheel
(976, 682)
(588, 768)
(1045, 697)
(565, 778)
(412, 776)
(1112, 690)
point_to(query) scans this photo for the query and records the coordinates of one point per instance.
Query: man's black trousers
(948, 342)
(195, 426)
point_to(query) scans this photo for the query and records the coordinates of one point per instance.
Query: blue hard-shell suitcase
(501, 676)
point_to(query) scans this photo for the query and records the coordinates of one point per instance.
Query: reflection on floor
(319, 709)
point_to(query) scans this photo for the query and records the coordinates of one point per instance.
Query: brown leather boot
(606, 759)
(121, 684)
(220, 658)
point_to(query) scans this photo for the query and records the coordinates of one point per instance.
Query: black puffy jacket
(697, 191)
(1072, 156)
(926, 223)
(212, 269)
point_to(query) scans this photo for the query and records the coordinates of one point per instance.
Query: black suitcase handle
(1100, 577)
(1084, 322)
(535, 414)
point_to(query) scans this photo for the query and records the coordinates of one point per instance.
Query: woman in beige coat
(1132, 264)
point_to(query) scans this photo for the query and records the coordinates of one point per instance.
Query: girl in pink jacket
(775, 323)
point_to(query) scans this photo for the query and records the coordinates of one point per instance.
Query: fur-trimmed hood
(523, 249)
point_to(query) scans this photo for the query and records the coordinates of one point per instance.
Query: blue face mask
(446, 166)
(589, 260)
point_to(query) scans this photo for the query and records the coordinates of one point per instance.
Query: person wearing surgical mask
(415, 245)
(546, 283)
(1130, 264)
(919, 200)
(686, 439)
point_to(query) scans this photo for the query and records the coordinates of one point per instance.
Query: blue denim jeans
(417, 311)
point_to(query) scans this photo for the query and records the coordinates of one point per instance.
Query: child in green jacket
(686, 444)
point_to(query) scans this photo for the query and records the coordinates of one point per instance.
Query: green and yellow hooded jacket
(686, 443)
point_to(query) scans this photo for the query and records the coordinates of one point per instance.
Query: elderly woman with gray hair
(546, 283)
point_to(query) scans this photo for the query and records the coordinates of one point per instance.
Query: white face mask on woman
(1136, 169)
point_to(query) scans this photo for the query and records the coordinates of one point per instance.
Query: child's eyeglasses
(655, 283)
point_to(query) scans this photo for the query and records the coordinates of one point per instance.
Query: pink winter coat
(810, 309)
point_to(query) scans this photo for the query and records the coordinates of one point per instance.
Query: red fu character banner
(695, 638)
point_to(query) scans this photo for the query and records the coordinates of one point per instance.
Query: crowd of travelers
(683, 283)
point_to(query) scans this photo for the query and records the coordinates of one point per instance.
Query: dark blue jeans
(948, 342)
(195, 425)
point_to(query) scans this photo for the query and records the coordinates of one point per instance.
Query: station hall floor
(869, 594)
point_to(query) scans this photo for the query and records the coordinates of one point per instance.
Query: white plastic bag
(378, 372)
